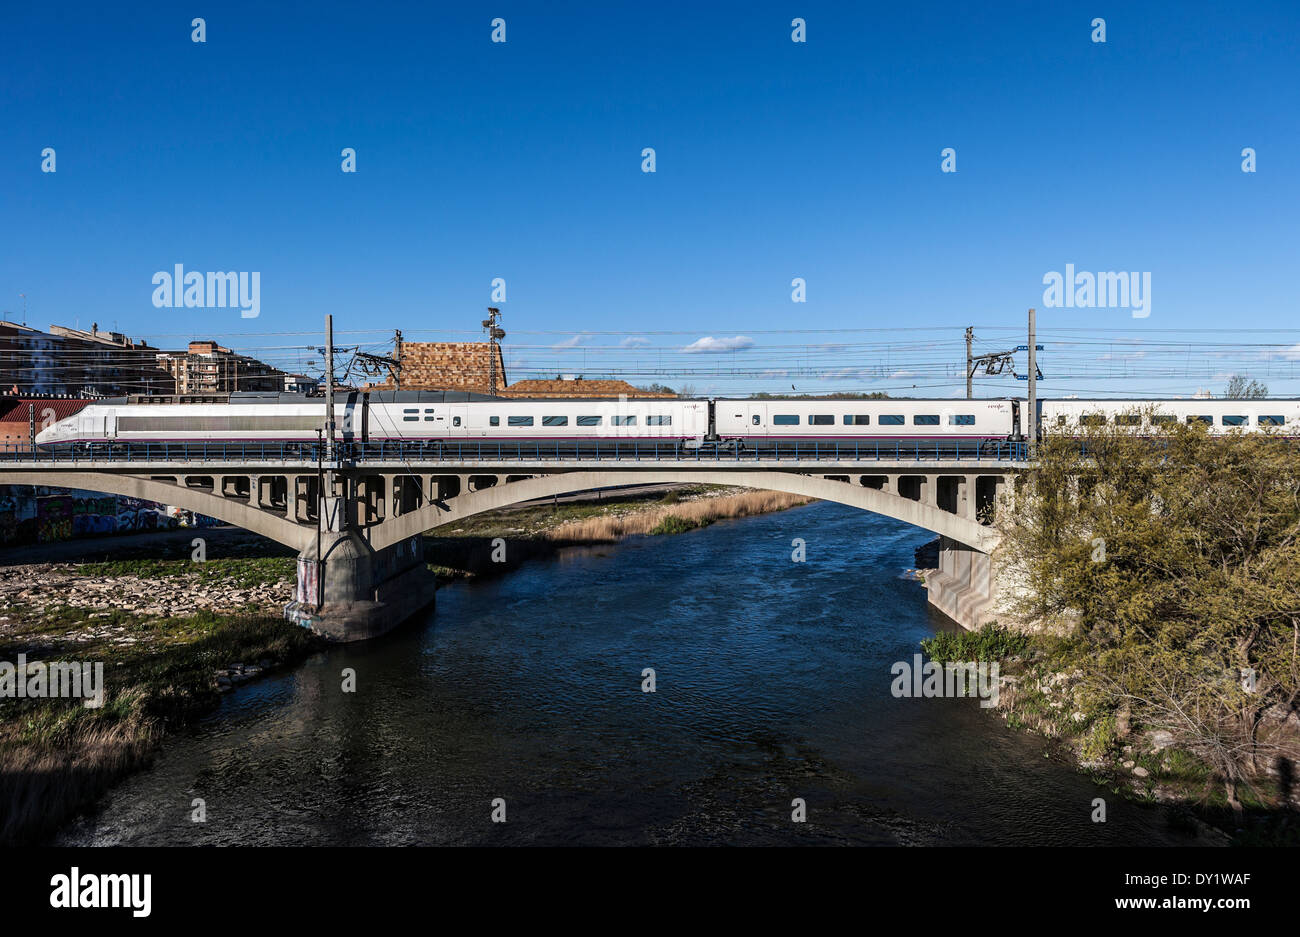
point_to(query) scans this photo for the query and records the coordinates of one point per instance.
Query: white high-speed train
(447, 416)
(416, 416)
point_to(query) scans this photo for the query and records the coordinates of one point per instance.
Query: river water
(772, 683)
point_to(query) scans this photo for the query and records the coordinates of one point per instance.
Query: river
(772, 683)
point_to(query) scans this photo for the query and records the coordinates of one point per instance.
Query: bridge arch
(230, 510)
(929, 516)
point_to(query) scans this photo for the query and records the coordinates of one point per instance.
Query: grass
(59, 755)
(990, 643)
(673, 524)
(238, 571)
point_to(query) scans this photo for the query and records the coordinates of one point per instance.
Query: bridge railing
(462, 451)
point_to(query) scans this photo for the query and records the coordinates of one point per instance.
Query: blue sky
(775, 160)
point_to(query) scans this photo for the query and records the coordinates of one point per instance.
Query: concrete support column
(969, 507)
(962, 586)
(366, 592)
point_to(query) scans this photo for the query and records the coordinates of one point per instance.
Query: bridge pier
(963, 587)
(367, 592)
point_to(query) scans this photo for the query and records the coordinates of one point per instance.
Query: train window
(494, 421)
(1164, 419)
(756, 420)
(823, 419)
(786, 419)
(1272, 420)
(1060, 419)
(1129, 419)
(961, 419)
(455, 420)
(589, 421)
(1207, 420)
(1235, 421)
(623, 420)
(411, 416)
(658, 421)
(892, 419)
(428, 409)
(555, 421)
(925, 419)
(857, 419)
(519, 421)
(429, 418)
(1092, 419)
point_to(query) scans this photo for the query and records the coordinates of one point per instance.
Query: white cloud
(634, 341)
(898, 375)
(711, 345)
(573, 342)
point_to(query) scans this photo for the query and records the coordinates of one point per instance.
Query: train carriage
(1152, 417)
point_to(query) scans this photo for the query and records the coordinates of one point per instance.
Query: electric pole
(495, 334)
(329, 389)
(1031, 417)
(397, 354)
(969, 372)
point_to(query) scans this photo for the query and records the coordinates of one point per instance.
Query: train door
(457, 420)
(110, 426)
(755, 419)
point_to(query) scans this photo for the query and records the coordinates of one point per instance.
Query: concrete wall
(963, 587)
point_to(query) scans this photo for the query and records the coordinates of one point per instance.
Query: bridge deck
(793, 455)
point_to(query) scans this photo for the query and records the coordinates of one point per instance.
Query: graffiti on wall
(37, 514)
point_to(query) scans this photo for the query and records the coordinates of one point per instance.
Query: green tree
(1173, 566)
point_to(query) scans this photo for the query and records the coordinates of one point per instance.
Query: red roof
(14, 409)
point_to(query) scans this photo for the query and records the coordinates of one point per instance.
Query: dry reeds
(675, 517)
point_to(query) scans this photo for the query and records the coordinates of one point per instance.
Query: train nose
(50, 434)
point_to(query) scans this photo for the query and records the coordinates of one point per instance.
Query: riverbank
(1041, 694)
(173, 633)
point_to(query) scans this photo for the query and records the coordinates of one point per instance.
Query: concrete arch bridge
(368, 518)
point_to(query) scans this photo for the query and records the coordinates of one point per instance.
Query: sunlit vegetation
(1170, 570)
